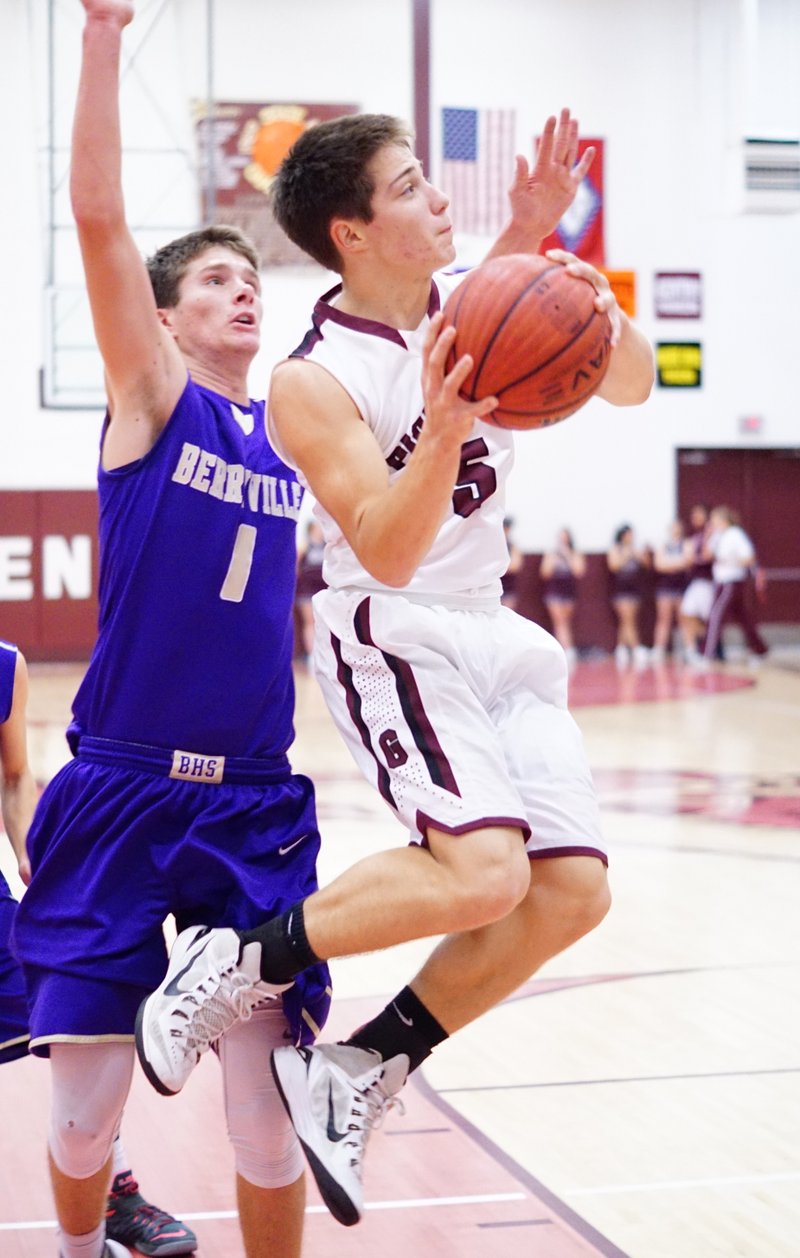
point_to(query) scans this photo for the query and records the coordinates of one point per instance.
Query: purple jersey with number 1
(180, 798)
(196, 589)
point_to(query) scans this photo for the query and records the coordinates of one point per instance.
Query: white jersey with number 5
(380, 368)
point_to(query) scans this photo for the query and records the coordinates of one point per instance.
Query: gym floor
(638, 1097)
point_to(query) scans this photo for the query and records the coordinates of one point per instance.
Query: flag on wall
(477, 167)
(581, 229)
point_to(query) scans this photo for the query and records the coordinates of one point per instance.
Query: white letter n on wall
(67, 566)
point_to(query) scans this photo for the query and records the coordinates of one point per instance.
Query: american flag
(477, 167)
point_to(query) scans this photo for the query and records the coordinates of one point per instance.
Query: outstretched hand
(445, 410)
(540, 197)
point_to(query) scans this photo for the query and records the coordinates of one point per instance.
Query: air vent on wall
(771, 175)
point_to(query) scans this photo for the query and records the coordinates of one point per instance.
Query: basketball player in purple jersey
(180, 797)
(453, 706)
(129, 1217)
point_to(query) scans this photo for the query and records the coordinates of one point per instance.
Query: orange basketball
(273, 141)
(536, 340)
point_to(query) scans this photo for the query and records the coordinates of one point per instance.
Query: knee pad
(266, 1150)
(90, 1087)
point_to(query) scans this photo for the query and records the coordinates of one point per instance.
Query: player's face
(219, 308)
(411, 226)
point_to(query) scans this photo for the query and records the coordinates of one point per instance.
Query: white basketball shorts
(459, 718)
(697, 598)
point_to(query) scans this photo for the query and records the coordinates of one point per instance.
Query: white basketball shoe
(212, 982)
(336, 1095)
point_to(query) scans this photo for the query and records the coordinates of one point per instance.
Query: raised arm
(390, 526)
(144, 370)
(17, 787)
(539, 197)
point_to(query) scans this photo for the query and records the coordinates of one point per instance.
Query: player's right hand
(445, 409)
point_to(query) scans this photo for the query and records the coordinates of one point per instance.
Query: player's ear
(348, 236)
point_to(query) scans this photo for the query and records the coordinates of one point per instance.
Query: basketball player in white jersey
(453, 706)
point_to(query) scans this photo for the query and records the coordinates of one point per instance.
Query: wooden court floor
(638, 1098)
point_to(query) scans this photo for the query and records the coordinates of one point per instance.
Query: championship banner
(580, 231)
(240, 150)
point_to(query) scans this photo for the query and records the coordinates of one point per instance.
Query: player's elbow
(394, 572)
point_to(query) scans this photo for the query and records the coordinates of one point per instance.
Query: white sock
(88, 1245)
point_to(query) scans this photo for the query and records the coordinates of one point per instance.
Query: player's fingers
(483, 407)
(458, 374)
(544, 150)
(572, 147)
(583, 165)
(615, 319)
(441, 347)
(435, 328)
(562, 138)
(521, 172)
(560, 255)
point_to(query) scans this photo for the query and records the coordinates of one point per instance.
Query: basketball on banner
(240, 150)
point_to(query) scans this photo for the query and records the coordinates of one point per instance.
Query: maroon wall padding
(61, 628)
(764, 487)
(594, 625)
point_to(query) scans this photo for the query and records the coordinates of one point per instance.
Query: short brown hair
(168, 264)
(325, 175)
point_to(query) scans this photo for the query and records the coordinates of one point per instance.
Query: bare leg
(691, 633)
(469, 973)
(271, 1219)
(627, 629)
(462, 882)
(663, 629)
(80, 1203)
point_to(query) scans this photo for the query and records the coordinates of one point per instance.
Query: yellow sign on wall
(679, 364)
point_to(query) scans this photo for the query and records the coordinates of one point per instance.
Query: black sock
(404, 1026)
(285, 951)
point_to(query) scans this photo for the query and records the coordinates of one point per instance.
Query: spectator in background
(627, 564)
(560, 570)
(670, 564)
(510, 595)
(734, 561)
(699, 593)
(309, 582)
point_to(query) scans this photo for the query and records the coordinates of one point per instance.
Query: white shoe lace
(376, 1105)
(235, 1000)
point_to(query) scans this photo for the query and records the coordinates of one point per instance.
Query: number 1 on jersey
(236, 578)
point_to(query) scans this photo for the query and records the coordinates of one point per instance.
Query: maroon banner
(581, 230)
(242, 151)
